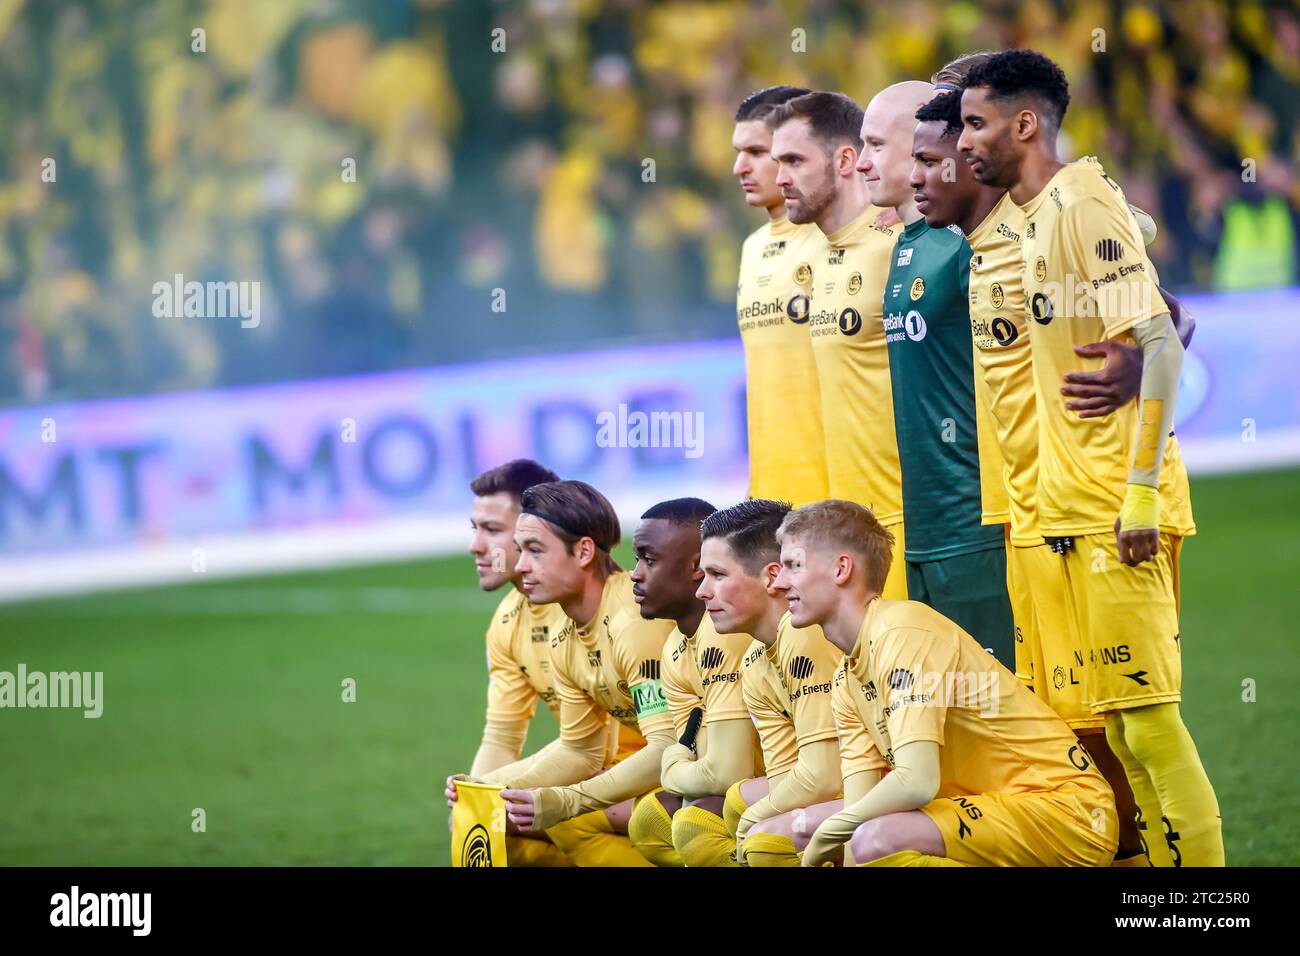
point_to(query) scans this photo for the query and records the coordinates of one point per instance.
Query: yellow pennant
(478, 825)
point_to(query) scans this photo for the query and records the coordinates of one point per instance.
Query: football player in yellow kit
(605, 663)
(786, 679)
(681, 824)
(961, 764)
(787, 457)
(816, 140)
(1112, 493)
(518, 641)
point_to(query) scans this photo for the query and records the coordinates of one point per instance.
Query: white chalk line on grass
(290, 601)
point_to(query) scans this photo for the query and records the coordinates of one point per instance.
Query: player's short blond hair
(954, 71)
(844, 525)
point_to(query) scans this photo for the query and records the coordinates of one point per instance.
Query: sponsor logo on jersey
(1005, 331)
(801, 667)
(797, 309)
(1029, 233)
(835, 257)
(540, 633)
(774, 249)
(904, 257)
(1111, 250)
(650, 669)
(914, 324)
(1058, 677)
(850, 321)
(1041, 307)
(918, 288)
(593, 658)
(900, 678)
(710, 658)
(648, 696)
(1005, 230)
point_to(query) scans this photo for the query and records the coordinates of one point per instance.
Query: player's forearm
(632, 777)
(502, 743)
(729, 757)
(815, 778)
(1162, 363)
(559, 763)
(1184, 321)
(856, 785)
(912, 784)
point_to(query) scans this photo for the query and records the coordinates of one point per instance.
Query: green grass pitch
(227, 696)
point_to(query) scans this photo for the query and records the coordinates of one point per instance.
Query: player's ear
(843, 568)
(1026, 124)
(769, 575)
(585, 551)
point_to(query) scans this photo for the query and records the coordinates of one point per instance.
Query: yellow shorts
(1128, 622)
(1073, 825)
(896, 581)
(1049, 655)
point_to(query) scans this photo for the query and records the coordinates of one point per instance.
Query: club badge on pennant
(478, 825)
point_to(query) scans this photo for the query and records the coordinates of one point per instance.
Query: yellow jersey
(786, 456)
(703, 670)
(519, 659)
(611, 665)
(787, 690)
(1087, 278)
(848, 343)
(915, 675)
(1004, 373)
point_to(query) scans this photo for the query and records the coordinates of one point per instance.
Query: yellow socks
(733, 807)
(1159, 742)
(701, 838)
(770, 849)
(1144, 795)
(589, 840)
(651, 831)
(527, 851)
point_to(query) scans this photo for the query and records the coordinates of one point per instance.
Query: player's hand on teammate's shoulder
(1111, 387)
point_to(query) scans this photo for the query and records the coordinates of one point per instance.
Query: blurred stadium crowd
(524, 169)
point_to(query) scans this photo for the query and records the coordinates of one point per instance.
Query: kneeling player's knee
(876, 839)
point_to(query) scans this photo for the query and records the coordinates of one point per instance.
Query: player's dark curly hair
(835, 119)
(1015, 74)
(758, 104)
(750, 530)
(944, 108)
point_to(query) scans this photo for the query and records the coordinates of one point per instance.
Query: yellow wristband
(1141, 509)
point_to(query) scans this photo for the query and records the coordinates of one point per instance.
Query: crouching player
(681, 824)
(786, 679)
(605, 662)
(967, 767)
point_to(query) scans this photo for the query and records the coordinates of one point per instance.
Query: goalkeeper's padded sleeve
(728, 757)
(558, 763)
(632, 777)
(912, 783)
(502, 743)
(1162, 363)
(815, 778)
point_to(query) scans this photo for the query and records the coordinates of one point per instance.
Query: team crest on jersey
(803, 274)
(855, 283)
(1040, 269)
(918, 288)
(996, 296)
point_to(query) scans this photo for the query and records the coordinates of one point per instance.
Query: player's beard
(814, 203)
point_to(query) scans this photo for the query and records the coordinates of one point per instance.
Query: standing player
(1112, 492)
(786, 455)
(681, 824)
(816, 140)
(518, 639)
(964, 766)
(1048, 656)
(786, 678)
(953, 562)
(605, 662)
